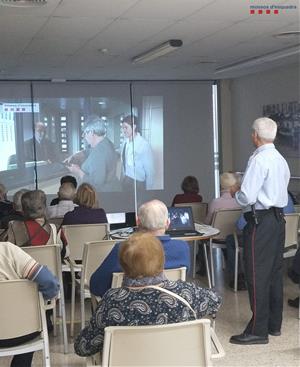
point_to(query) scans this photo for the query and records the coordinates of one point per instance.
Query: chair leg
(72, 303)
(54, 320)
(212, 264)
(236, 269)
(207, 265)
(194, 257)
(82, 308)
(64, 322)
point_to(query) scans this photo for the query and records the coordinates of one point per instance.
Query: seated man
(66, 194)
(153, 218)
(17, 264)
(17, 212)
(65, 179)
(6, 206)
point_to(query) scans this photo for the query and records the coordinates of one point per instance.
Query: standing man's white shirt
(262, 183)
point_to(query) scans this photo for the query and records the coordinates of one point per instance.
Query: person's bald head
(153, 216)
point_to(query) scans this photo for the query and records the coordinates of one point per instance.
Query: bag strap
(175, 295)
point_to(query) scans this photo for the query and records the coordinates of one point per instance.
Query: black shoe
(293, 276)
(294, 302)
(248, 339)
(275, 332)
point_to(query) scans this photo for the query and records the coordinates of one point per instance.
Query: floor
(232, 318)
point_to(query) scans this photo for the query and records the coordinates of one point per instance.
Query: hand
(74, 168)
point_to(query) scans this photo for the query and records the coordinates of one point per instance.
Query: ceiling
(64, 39)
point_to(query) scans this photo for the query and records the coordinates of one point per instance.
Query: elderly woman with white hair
(146, 296)
(225, 201)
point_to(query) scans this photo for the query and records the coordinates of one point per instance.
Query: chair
(94, 254)
(49, 255)
(171, 274)
(199, 210)
(22, 312)
(225, 221)
(291, 234)
(297, 208)
(76, 235)
(181, 344)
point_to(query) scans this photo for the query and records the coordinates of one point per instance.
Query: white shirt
(60, 209)
(265, 181)
(139, 160)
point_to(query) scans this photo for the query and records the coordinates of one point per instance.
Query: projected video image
(98, 140)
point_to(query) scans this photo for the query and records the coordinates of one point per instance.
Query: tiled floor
(232, 318)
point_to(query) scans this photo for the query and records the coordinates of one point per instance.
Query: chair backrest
(48, 255)
(171, 274)
(291, 229)
(57, 221)
(225, 221)
(199, 210)
(78, 234)
(20, 308)
(93, 255)
(297, 208)
(182, 344)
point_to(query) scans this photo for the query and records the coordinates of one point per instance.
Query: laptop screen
(114, 218)
(181, 218)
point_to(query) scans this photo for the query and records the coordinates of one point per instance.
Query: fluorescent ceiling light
(157, 51)
(289, 51)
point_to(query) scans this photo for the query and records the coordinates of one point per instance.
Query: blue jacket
(177, 254)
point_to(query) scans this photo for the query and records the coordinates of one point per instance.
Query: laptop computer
(181, 222)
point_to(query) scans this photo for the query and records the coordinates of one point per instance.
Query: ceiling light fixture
(157, 51)
(272, 56)
(23, 3)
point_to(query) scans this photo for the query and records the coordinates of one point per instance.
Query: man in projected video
(99, 167)
(44, 148)
(137, 157)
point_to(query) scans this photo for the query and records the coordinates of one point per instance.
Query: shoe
(293, 276)
(241, 286)
(248, 339)
(275, 332)
(294, 302)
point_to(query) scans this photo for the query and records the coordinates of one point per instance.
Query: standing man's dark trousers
(263, 257)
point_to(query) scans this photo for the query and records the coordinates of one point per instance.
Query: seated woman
(225, 201)
(142, 299)
(34, 230)
(190, 188)
(87, 211)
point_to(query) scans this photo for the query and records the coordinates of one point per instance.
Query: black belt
(258, 213)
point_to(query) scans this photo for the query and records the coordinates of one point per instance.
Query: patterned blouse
(146, 306)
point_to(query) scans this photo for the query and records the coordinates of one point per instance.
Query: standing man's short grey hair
(265, 128)
(153, 215)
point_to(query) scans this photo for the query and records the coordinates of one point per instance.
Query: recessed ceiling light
(23, 3)
(285, 35)
(103, 50)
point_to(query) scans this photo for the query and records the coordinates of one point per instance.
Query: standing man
(263, 194)
(137, 157)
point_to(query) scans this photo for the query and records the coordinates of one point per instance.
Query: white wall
(248, 95)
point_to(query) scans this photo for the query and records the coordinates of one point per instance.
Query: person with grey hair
(262, 195)
(100, 164)
(34, 230)
(17, 212)
(6, 206)
(66, 194)
(225, 201)
(153, 218)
